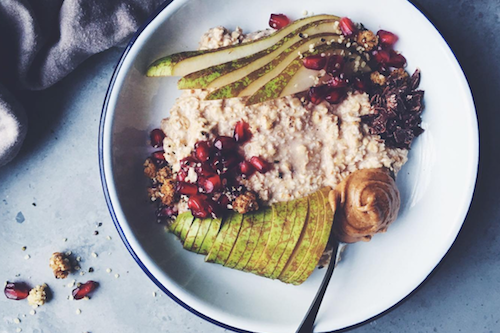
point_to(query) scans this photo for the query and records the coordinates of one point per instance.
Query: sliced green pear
(183, 63)
(219, 239)
(261, 241)
(279, 219)
(287, 223)
(176, 227)
(301, 208)
(305, 241)
(241, 242)
(319, 247)
(295, 78)
(319, 221)
(257, 221)
(192, 233)
(249, 84)
(209, 239)
(232, 235)
(217, 76)
(202, 233)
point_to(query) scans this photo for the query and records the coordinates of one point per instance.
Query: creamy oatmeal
(309, 145)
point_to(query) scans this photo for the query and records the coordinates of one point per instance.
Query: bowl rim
(109, 203)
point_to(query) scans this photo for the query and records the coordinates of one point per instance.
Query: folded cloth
(41, 41)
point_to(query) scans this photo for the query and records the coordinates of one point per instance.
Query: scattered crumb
(82, 273)
(154, 294)
(78, 311)
(77, 268)
(60, 265)
(17, 320)
(70, 297)
(108, 270)
(96, 232)
(37, 295)
(108, 237)
(91, 269)
(65, 239)
(71, 284)
(93, 254)
(19, 329)
(117, 276)
(68, 253)
(23, 248)
(27, 256)
(86, 298)
(305, 12)
(78, 259)
(32, 312)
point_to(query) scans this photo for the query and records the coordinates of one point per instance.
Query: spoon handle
(307, 324)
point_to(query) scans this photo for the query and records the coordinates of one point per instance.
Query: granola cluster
(60, 264)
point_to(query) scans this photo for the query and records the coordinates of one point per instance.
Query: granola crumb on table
(37, 295)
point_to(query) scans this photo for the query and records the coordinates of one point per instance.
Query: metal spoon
(307, 324)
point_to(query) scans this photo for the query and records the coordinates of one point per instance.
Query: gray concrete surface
(52, 192)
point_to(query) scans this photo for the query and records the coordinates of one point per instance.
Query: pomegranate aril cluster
(16, 290)
(383, 57)
(219, 165)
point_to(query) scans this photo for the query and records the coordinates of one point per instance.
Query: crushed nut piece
(367, 39)
(37, 295)
(168, 192)
(377, 78)
(246, 202)
(60, 265)
(149, 168)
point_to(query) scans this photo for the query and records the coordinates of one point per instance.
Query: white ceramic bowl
(436, 184)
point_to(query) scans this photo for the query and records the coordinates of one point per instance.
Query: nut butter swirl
(369, 201)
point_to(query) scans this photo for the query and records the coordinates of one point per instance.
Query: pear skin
(257, 221)
(305, 241)
(319, 247)
(191, 234)
(220, 75)
(241, 242)
(183, 63)
(301, 208)
(261, 241)
(209, 239)
(232, 235)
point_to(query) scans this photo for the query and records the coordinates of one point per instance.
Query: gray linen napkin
(41, 41)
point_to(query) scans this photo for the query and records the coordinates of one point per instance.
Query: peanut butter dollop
(367, 202)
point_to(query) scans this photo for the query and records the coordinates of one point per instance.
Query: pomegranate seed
(84, 289)
(317, 94)
(396, 60)
(210, 184)
(223, 201)
(347, 27)
(316, 62)
(186, 188)
(246, 168)
(259, 164)
(224, 143)
(337, 82)
(335, 96)
(335, 64)
(387, 38)
(204, 170)
(198, 205)
(156, 136)
(381, 56)
(229, 162)
(278, 21)
(215, 209)
(242, 132)
(361, 83)
(16, 290)
(181, 175)
(202, 150)
(159, 155)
